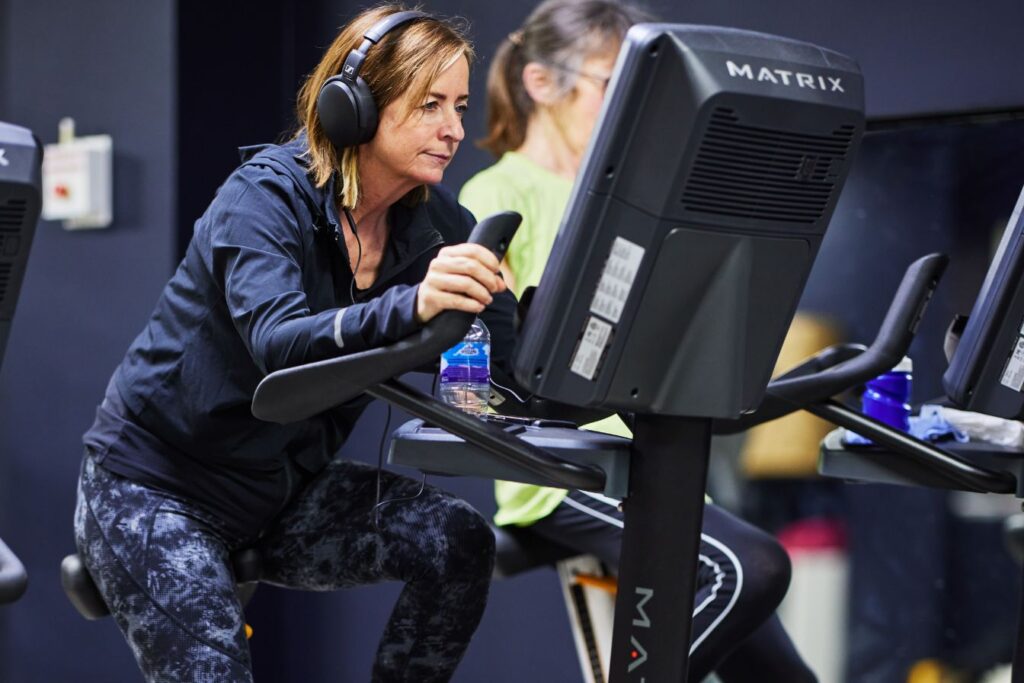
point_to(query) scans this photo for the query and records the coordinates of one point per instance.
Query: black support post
(661, 540)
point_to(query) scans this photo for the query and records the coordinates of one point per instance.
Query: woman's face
(415, 148)
(577, 112)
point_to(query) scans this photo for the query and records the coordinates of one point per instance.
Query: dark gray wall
(110, 65)
(230, 94)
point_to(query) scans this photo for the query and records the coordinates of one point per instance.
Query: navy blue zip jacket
(265, 284)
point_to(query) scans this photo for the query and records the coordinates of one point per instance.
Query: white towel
(980, 427)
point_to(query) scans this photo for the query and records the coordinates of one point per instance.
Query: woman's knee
(767, 570)
(467, 547)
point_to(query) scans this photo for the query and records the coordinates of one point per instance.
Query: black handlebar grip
(496, 232)
(908, 305)
(890, 345)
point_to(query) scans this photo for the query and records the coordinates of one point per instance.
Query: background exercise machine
(20, 160)
(985, 374)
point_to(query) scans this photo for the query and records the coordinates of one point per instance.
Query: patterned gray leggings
(162, 567)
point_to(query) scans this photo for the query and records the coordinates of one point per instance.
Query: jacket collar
(412, 230)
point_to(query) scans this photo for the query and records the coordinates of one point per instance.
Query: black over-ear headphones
(345, 105)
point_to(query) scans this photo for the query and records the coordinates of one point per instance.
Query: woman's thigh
(163, 571)
(335, 534)
(593, 524)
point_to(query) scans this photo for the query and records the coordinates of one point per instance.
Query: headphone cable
(359, 253)
(380, 500)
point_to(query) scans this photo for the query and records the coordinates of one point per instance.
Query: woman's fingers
(480, 253)
(473, 260)
(464, 266)
(453, 283)
(461, 277)
(449, 301)
(431, 300)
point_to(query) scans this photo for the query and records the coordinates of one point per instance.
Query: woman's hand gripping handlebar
(300, 392)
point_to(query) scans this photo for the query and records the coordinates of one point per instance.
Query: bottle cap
(905, 365)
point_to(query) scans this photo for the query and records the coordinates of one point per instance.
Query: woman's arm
(253, 236)
(251, 240)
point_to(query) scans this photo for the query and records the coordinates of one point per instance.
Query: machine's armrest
(13, 578)
(566, 454)
(885, 466)
(903, 459)
(497, 441)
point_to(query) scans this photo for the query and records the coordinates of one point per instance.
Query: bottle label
(467, 361)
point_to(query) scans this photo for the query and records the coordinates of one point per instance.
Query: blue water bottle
(887, 397)
(466, 371)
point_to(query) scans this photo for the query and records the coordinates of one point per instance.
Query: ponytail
(557, 32)
(508, 104)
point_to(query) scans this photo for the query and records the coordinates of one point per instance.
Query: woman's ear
(540, 84)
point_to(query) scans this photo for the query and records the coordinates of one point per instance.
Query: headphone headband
(354, 60)
(389, 22)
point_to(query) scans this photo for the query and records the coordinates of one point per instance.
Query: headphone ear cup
(347, 112)
(336, 110)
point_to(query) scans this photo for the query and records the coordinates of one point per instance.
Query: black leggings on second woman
(742, 577)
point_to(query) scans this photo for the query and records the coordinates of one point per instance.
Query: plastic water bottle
(887, 397)
(466, 371)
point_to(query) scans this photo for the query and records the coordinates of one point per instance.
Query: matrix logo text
(638, 655)
(793, 79)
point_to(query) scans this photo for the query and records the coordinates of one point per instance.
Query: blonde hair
(560, 33)
(406, 61)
